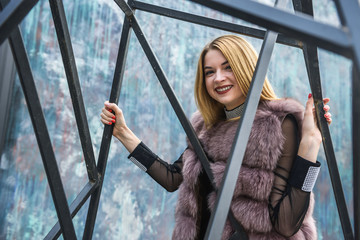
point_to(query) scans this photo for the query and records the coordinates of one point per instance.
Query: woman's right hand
(112, 114)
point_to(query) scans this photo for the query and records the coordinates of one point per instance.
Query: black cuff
(142, 157)
(303, 174)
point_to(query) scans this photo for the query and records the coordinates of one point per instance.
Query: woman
(273, 198)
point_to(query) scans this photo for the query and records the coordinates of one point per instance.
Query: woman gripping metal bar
(273, 198)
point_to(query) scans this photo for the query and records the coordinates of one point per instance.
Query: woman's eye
(208, 73)
(228, 67)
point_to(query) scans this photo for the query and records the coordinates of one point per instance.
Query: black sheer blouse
(288, 203)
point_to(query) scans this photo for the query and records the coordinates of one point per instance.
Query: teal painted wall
(132, 205)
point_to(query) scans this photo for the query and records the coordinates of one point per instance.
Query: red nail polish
(113, 117)
(326, 115)
(310, 95)
(110, 123)
(113, 121)
(110, 110)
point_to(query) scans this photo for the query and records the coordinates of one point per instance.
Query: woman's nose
(219, 76)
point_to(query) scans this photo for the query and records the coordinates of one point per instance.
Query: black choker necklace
(236, 112)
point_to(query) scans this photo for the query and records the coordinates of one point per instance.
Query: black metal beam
(310, 55)
(349, 12)
(298, 26)
(213, 23)
(107, 134)
(42, 134)
(67, 54)
(12, 14)
(356, 149)
(313, 70)
(75, 206)
(226, 192)
(7, 79)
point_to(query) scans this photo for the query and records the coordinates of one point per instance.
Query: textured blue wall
(132, 205)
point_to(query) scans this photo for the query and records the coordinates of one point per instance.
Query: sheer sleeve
(167, 175)
(288, 203)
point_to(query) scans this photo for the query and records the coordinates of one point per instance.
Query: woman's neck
(236, 112)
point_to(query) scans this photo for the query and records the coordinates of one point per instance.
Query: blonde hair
(242, 59)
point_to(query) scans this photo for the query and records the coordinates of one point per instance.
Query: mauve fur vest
(255, 181)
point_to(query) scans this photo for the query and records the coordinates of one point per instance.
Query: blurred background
(132, 205)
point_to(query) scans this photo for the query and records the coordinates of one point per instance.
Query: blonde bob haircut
(242, 59)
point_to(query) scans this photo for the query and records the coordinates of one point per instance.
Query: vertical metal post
(7, 79)
(67, 54)
(42, 134)
(356, 148)
(107, 135)
(349, 13)
(312, 66)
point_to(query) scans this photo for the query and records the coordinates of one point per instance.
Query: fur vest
(255, 181)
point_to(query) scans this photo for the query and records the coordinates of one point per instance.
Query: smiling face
(220, 80)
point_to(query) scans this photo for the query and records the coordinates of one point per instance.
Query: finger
(107, 118)
(327, 115)
(107, 113)
(326, 100)
(113, 107)
(329, 120)
(326, 108)
(106, 103)
(314, 112)
(105, 122)
(309, 105)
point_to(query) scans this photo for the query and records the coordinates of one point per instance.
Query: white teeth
(223, 89)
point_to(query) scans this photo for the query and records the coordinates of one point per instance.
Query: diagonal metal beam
(74, 208)
(67, 54)
(213, 23)
(311, 62)
(312, 66)
(226, 192)
(107, 134)
(12, 14)
(42, 134)
(298, 26)
(356, 149)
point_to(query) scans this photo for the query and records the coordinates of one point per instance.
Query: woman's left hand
(309, 123)
(310, 136)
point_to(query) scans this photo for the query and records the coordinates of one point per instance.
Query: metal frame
(42, 134)
(312, 66)
(356, 149)
(67, 54)
(7, 74)
(299, 31)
